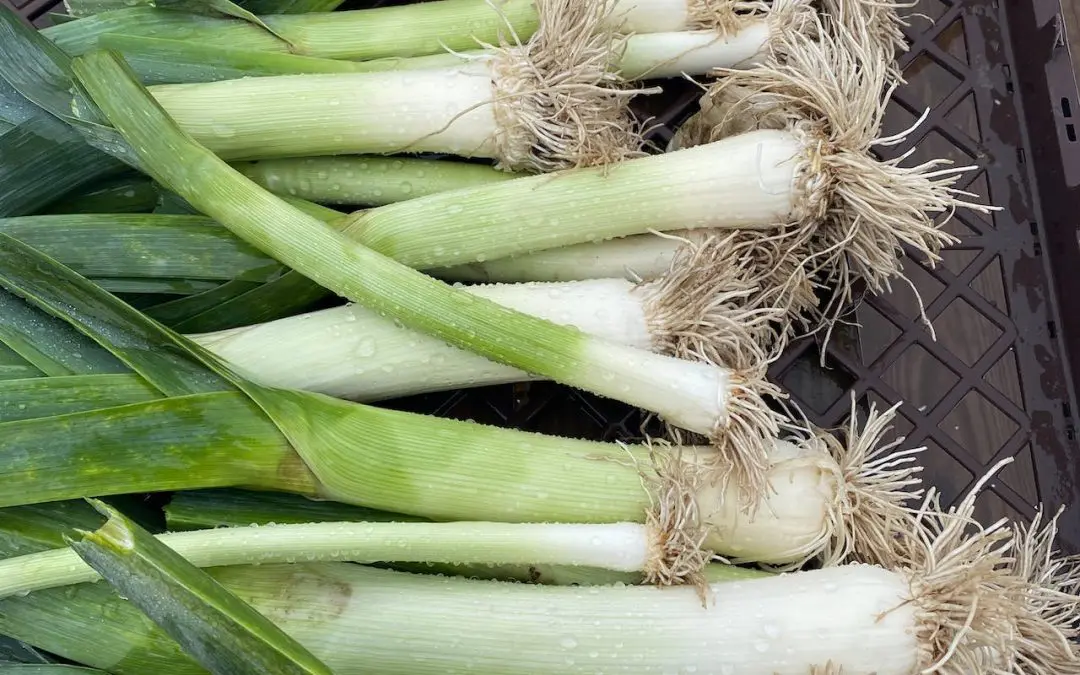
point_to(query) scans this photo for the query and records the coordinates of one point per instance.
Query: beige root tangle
(715, 305)
(734, 299)
(875, 485)
(559, 100)
(678, 536)
(728, 17)
(856, 212)
(1047, 633)
(988, 600)
(878, 21)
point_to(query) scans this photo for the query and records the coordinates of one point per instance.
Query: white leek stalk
(956, 605)
(622, 547)
(352, 352)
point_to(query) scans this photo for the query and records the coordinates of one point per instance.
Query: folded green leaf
(291, 6)
(42, 158)
(291, 293)
(41, 73)
(212, 7)
(175, 312)
(84, 8)
(159, 61)
(40, 527)
(80, 37)
(145, 346)
(50, 344)
(215, 627)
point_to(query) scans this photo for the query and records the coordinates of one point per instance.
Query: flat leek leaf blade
(218, 629)
(41, 72)
(47, 669)
(228, 507)
(145, 346)
(175, 312)
(49, 344)
(15, 367)
(184, 442)
(159, 286)
(38, 397)
(126, 194)
(143, 245)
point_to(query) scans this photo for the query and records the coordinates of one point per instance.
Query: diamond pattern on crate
(990, 508)
(929, 82)
(990, 284)
(956, 260)
(978, 426)
(877, 333)
(815, 388)
(952, 41)
(965, 117)
(920, 378)
(906, 300)
(1004, 376)
(979, 184)
(943, 471)
(1020, 475)
(965, 332)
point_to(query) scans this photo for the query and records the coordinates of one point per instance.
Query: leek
(820, 493)
(510, 107)
(856, 211)
(192, 510)
(403, 31)
(958, 603)
(353, 353)
(622, 547)
(747, 41)
(700, 397)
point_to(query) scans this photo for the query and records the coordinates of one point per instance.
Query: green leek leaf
(135, 246)
(37, 397)
(218, 629)
(148, 348)
(49, 344)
